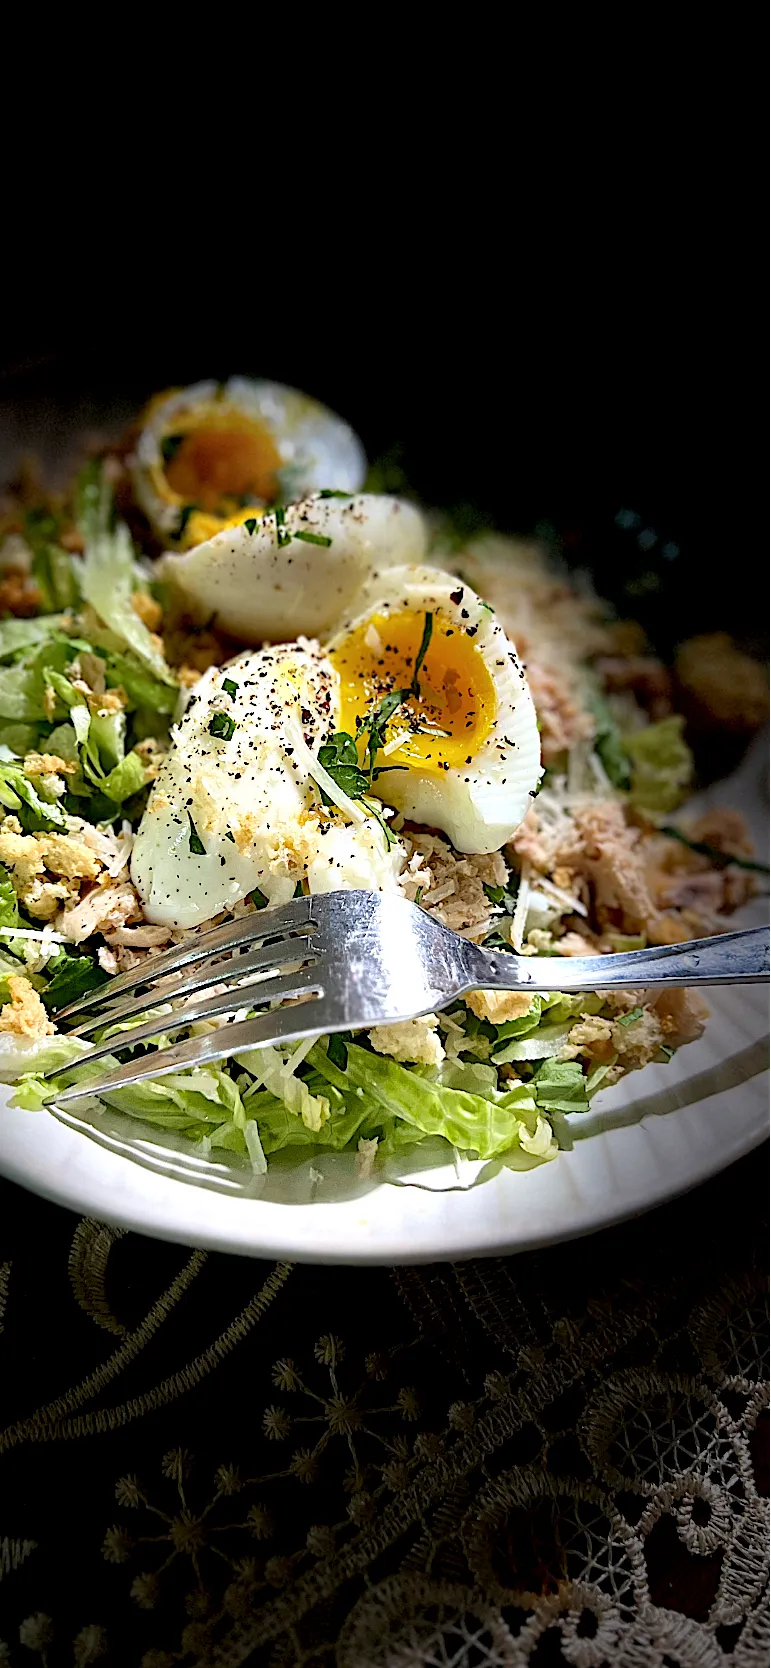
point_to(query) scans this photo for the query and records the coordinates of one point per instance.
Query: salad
(233, 668)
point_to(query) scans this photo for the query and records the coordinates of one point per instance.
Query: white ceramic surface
(657, 1133)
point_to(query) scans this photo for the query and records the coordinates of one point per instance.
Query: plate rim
(669, 1185)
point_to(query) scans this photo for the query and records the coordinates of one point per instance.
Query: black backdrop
(617, 372)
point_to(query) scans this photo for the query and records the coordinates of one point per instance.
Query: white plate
(656, 1133)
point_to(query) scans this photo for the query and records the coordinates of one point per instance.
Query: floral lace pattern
(559, 1458)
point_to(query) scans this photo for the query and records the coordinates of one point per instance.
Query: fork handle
(732, 958)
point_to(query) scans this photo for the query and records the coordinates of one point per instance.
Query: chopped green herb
(337, 1052)
(280, 514)
(229, 836)
(250, 524)
(496, 941)
(196, 846)
(375, 723)
(230, 688)
(283, 537)
(373, 810)
(629, 1019)
(341, 760)
(258, 898)
(666, 1051)
(329, 492)
(418, 895)
(184, 517)
(502, 896)
(314, 538)
(298, 891)
(170, 446)
(222, 726)
(721, 859)
(428, 626)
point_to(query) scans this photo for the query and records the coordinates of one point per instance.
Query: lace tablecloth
(555, 1458)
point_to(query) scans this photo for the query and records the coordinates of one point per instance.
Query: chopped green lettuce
(560, 1086)
(489, 1125)
(662, 765)
(18, 635)
(32, 801)
(610, 746)
(9, 908)
(70, 976)
(107, 572)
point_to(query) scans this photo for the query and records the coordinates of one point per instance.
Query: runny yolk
(447, 723)
(224, 458)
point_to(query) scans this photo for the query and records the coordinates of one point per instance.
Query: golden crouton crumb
(188, 676)
(24, 1015)
(498, 1005)
(21, 853)
(413, 1039)
(66, 856)
(148, 610)
(48, 764)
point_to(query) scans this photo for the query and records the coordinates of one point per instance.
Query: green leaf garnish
(329, 492)
(314, 538)
(629, 1019)
(721, 859)
(502, 896)
(341, 760)
(258, 898)
(196, 845)
(170, 446)
(337, 1052)
(184, 517)
(250, 524)
(229, 836)
(230, 688)
(222, 726)
(428, 626)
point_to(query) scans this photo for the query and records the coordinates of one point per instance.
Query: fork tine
(226, 1001)
(308, 1019)
(199, 978)
(263, 924)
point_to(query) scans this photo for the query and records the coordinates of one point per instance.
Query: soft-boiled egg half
(272, 577)
(461, 752)
(234, 805)
(206, 452)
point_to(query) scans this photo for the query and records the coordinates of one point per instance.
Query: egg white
(481, 804)
(316, 448)
(250, 798)
(262, 583)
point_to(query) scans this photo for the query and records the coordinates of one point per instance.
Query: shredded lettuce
(547, 1040)
(106, 574)
(70, 976)
(489, 1126)
(662, 765)
(609, 745)
(560, 1086)
(9, 908)
(17, 635)
(32, 801)
(270, 1070)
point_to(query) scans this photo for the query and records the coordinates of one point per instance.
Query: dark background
(551, 352)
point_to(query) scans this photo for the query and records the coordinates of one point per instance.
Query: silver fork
(352, 960)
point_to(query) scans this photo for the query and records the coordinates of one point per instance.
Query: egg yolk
(224, 458)
(444, 726)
